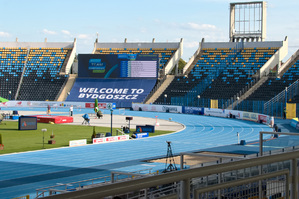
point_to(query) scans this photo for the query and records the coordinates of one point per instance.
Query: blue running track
(23, 173)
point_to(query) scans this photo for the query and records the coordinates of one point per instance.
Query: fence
(267, 176)
(272, 106)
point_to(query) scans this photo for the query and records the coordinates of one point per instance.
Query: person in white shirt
(71, 110)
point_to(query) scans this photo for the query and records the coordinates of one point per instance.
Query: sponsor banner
(192, 110)
(101, 105)
(264, 118)
(157, 108)
(235, 114)
(250, 116)
(122, 137)
(110, 139)
(98, 140)
(215, 112)
(141, 135)
(42, 104)
(123, 92)
(78, 105)
(77, 142)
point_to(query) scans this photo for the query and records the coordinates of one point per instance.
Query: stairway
(67, 88)
(249, 92)
(161, 89)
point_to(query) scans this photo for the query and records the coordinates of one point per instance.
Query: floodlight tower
(247, 21)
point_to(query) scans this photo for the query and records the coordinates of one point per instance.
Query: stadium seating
(239, 73)
(274, 86)
(41, 80)
(220, 73)
(164, 53)
(209, 65)
(12, 61)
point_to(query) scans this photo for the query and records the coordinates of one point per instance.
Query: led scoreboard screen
(118, 66)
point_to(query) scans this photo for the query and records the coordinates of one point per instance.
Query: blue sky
(136, 20)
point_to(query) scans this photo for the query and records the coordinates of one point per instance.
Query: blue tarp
(123, 92)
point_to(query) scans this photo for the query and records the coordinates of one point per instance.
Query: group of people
(71, 110)
(86, 120)
(98, 112)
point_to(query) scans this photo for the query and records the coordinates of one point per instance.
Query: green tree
(182, 64)
(94, 134)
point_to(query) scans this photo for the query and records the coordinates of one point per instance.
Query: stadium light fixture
(165, 96)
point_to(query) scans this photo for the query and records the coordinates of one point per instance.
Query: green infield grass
(15, 140)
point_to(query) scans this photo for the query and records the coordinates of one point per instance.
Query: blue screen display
(118, 65)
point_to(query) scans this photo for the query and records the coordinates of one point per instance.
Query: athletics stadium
(231, 110)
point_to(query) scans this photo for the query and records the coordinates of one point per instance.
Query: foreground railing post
(294, 178)
(185, 189)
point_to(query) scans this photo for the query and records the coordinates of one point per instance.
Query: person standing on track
(71, 110)
(48, 109)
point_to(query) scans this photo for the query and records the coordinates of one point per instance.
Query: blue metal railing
(271, 107)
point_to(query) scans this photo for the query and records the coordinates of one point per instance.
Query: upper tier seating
(12, 61)
(164, 53)
(238, 74)
(41, 79)
(209, 65)
(220, 73)
(274, 86)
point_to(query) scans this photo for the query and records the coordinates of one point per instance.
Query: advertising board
(141, 135)
(157, 108)
(110, 139)
(122, 92)
(192, 110)
(27, 123)
(146, 128)
(250, 116)
(77, 142)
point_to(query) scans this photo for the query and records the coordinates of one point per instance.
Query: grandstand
(221, 70)
(279, 81)
(246, 74)
(36, 70)
(168, 54)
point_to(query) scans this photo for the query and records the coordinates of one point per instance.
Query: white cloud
(49, 32)
(188, 26)
(66, 32)
(196, 26)
(4, 34)
(143, 30)
(191, 44)
(83, 36)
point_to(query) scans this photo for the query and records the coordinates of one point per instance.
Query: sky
(138, 21)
